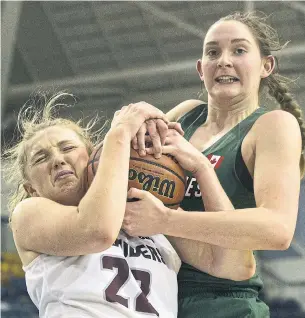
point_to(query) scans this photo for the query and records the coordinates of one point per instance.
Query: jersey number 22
(121, 266)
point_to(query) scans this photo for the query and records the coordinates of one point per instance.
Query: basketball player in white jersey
(78, 262)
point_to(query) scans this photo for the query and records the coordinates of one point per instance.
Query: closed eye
(40, 159)
(67, 148)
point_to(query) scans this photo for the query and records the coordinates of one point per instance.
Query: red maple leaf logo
(215, 160)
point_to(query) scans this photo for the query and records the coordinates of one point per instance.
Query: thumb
(176, 126)
(134, 193)
(169, 150)
(166, 150)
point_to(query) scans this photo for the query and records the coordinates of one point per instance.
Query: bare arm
(44, 226)
(271, 224)
(215, 260)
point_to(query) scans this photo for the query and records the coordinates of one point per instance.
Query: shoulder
(277, 121)
(279, 130)
(26, 204)
(178, 111)
(21, 207)
(26, 209)
(20, 215)
(21, 218)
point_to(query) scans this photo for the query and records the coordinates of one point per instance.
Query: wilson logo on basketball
(151, 183)
(163, 177)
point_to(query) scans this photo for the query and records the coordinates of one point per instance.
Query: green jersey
(225, 156)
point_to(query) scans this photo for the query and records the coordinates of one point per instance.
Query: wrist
(203, 167)
(119, 134)
(165, 220)
(170, 221)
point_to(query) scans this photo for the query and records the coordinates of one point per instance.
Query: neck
(225, 115)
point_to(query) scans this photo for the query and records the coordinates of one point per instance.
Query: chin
(224, 95)
(70, 194)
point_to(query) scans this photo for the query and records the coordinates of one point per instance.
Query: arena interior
(110, 54)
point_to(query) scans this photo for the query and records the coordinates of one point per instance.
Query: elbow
(103, 242)
(107, 242)
(275, 235)
(281, 243)
(284, 242)
(284, 238)
(104, 238)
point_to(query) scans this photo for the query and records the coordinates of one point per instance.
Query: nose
(58, 160)
(224, 60)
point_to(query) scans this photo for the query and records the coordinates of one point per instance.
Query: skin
(230, 49)
(49, 152)
(155, 139)
(271, 224)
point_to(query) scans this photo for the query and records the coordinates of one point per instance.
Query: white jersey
(134, 278)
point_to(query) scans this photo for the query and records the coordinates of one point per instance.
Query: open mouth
(226, 79)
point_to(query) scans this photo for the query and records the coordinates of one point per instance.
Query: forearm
(246, 229)
(105, 200)
(212, 192)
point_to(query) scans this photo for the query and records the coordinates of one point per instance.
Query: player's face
(231, 65)
(56, 161)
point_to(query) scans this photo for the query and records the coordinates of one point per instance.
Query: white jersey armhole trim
(33, 262)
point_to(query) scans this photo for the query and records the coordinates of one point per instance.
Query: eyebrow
(38, 153)
(62, 142)
(232, 41)
(43, 151)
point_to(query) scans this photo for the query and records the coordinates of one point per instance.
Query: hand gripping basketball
(134, 115)
(163, 177)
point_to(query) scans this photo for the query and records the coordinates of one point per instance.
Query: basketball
(163, 177)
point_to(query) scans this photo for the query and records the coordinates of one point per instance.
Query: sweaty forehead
(226, 31)
(50, 137)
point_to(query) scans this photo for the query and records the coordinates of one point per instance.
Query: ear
(30, 190)
(199, 69)
(267, 66)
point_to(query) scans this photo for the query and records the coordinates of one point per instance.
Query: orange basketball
(163, 177)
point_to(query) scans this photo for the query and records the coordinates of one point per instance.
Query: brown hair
(36, 115)
(268, 41)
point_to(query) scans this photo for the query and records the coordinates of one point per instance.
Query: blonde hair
(36, 115)
(268, 41)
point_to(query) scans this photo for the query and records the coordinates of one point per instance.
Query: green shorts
(233, 304)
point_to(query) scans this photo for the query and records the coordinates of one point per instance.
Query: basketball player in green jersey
(244, 167)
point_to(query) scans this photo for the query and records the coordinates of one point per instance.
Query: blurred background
(112, 53)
